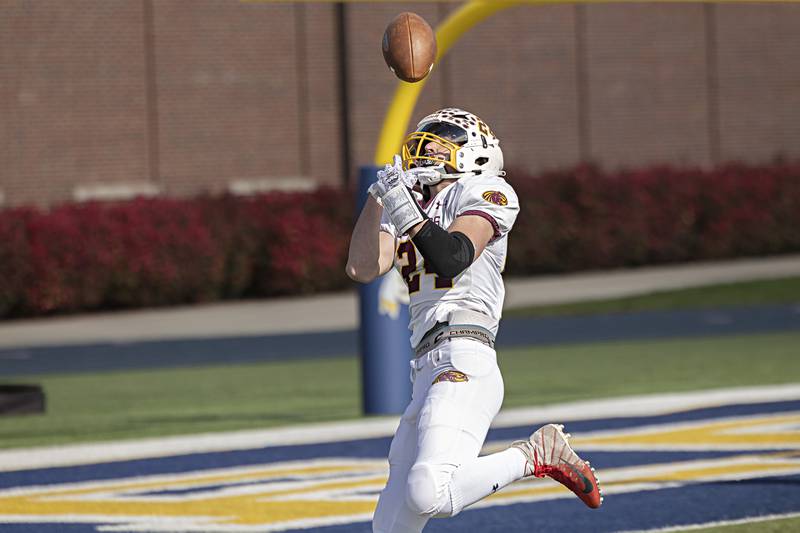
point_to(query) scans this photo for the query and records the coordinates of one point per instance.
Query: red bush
(589, 219)
(15, 260)
(149, 252)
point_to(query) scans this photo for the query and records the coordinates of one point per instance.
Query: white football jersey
(479, 287)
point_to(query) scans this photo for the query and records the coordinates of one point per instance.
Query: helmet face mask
(470, 146)
(414, 154)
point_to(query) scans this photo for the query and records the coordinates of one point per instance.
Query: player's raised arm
(372, 245)
(479, 231)
(373, 242)
(483, 216)
(371, 250)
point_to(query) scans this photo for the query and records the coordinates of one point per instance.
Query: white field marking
(222, 528)
(706, 525)
(639, 478)
(189, 479)
(699, 471)
(787, 427)
(88, 519)
(375, 477)
(627, 406)
(588, 440)
(617, 481)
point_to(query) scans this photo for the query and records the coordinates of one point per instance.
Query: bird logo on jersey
(495, 197)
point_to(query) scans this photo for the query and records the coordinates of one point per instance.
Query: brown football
(409, 47)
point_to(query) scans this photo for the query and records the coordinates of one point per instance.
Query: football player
(450, 247)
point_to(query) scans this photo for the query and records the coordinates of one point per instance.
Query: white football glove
(390, 177)
(393, 192)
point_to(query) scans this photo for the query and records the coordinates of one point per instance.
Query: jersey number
(410, 272)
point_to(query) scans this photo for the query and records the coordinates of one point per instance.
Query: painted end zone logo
(329, 491)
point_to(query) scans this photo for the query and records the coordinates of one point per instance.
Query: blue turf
(514, 332)
(691, 504)
(687, 505)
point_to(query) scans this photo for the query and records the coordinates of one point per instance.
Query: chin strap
(499, 173)
(428, 175)
(431, 175)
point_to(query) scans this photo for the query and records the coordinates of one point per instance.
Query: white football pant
(434, 468)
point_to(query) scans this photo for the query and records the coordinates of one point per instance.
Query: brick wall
(188, 96)
(527, 92)
(72, 108)
(646, 78)
(758, 68)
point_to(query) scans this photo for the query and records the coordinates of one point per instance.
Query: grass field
(86, 407)
(785, 290)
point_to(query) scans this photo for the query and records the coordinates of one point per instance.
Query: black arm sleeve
(446, 254)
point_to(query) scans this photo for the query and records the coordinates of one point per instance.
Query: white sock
(483, 476)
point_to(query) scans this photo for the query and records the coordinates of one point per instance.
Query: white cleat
(549, 454)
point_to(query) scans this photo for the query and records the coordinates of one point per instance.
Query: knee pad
(424, 493)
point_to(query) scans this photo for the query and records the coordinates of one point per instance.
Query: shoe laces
(559, 471)
(557, 467)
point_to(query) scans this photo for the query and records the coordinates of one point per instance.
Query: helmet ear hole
(481, 161)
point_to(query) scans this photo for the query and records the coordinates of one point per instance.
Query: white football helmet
(473, 147)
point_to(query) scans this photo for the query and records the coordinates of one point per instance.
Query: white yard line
(647, 405)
